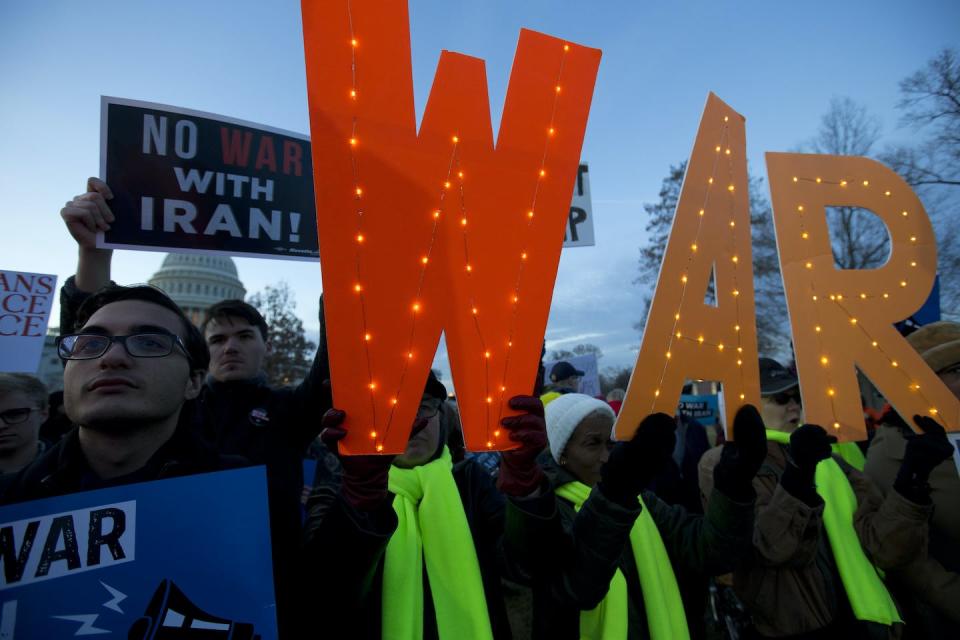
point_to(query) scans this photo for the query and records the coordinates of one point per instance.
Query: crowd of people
(779, 532)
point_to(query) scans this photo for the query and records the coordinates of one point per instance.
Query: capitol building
(195, 282)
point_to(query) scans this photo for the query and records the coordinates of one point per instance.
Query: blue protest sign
(704, 409)
(180, 558)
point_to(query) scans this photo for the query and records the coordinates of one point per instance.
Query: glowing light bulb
(460, 174)
(516, 299)
(913, 263)
(353, 42)
(360, 238)
(831, 392)
(678, 334)
(693, 248)
(676, 316)
(736, 292)
(489, 445)
(863, 296)
(701, 212)
(424, 259)
(809, 265)
(853, 321)
(669, 355)
(727, 152)
(736, 327)
(551, 131)
(523, 256)
(436, 214)
(731, 188)
(913, 238)
(894, 363)
(557, 88)
(469, 268)
(486, 354)
(732, 223)
(795, 178)
(804, 235)
(866, 183)
(379, 447)
(717, 148)
(710, 181)
(496, 434)
(903, 283)
(720, 347)
(463, 222)
(683, 279)
(357, 288)
(353, 142)
(446, 184)
(886, 295)
(656, 393)
(739, 363)
(416, 306)
(843, 183)
(874, 344)
(799, 207)
(818, 328)
(726, 118)
(530, 213)
(933, 411)
(819, 180)
(410, 355)
(904, 213)
(489, 399)
(373, 435)
(735, 259)
(886, 193)
(372, 386)
(815, 298)
(393, 401)
(474, 311)
(358, 191)
(836, 425)
(543, 172)
(743, 396)
(566, 47)
(456, 139)
(700, 339)
(353, 93)
(367, 337)
(824, 361)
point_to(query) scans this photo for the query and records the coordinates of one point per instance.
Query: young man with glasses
(799, 581)
(23, 408)
(131, 370)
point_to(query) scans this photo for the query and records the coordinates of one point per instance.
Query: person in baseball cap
(564, 378)
(780, 404)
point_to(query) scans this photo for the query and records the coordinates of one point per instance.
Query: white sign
(579, 231)
(589, 382)
(25, 302)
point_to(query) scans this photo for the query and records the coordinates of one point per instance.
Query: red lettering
(45, 284)
(235, 146)
(36, 304)
(292, 157)
(26, 283)
(266, 156)
(33, 322)
(8, 303)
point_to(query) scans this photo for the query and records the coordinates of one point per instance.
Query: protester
(239, 414)
(439, 575)
(23, 409)
(130, 375)
(602, 553)
(821, 528)
(615, 399)
(929, 587)
(564, 378)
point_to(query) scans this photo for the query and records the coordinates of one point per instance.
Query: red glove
(520, 475)
(364, 483)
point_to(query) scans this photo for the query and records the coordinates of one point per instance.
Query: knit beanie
(565, 413)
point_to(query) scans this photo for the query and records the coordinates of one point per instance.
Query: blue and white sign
(705, 409)
(180, 558)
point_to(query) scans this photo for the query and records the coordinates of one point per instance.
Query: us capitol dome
(196, 282)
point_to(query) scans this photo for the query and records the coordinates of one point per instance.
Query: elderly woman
(602, 553)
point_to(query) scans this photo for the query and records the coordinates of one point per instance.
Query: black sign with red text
(187, 181)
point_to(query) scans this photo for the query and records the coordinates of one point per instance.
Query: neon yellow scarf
(432, 529)
(850, 453)
(868, 596)
(666, 619)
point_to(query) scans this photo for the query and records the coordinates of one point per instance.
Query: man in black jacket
(132, 372)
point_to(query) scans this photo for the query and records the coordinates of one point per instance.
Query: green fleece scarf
(432, 530)
(868, 596)
(666, 619)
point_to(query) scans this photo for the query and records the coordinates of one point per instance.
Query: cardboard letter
(844, 318)
(685, 338)
(421, 232)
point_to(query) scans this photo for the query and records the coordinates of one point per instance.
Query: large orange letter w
(439, 230)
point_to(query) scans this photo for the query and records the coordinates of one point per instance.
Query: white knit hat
(565, 413)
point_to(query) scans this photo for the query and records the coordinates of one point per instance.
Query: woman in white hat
(603, 551)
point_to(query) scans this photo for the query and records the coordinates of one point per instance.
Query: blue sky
(777, 63)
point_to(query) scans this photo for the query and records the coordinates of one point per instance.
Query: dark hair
(236, 309)
(192, 338)
(30, 386)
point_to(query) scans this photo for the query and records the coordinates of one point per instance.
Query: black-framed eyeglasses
(784, 397)
(89, 346)
(16, 416)
(429, 408)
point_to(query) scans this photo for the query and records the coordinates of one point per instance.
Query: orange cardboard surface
(842, 319)
(686, 337)
(439, 229)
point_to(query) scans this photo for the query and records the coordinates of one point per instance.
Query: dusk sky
(777, 63)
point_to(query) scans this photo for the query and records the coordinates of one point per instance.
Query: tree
(772, 325)
(290, 353)
(859, 239)
(614, 378)
(930, 105)
(579, 350)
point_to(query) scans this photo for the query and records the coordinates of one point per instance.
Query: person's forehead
(15, 400)
(596, 423)
(229, 325)
(128, 316)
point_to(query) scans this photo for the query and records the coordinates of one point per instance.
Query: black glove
(364, 480)
(633, 464)
(741, 459)
(809, 444)
(923, 453)
(520, 475)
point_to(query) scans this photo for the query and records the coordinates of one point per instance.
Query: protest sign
(589, 382)
(843, 320)
(686, 337)
(579, 231)
(189, 181)
(438, 229)
(705, 409)
(185, 557)
(25, 302)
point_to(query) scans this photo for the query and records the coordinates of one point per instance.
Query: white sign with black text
(580, 221)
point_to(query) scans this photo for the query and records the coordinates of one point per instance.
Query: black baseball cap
(774, 377)
(563, 371)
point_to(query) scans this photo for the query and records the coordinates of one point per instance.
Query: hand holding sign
(89, 213)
